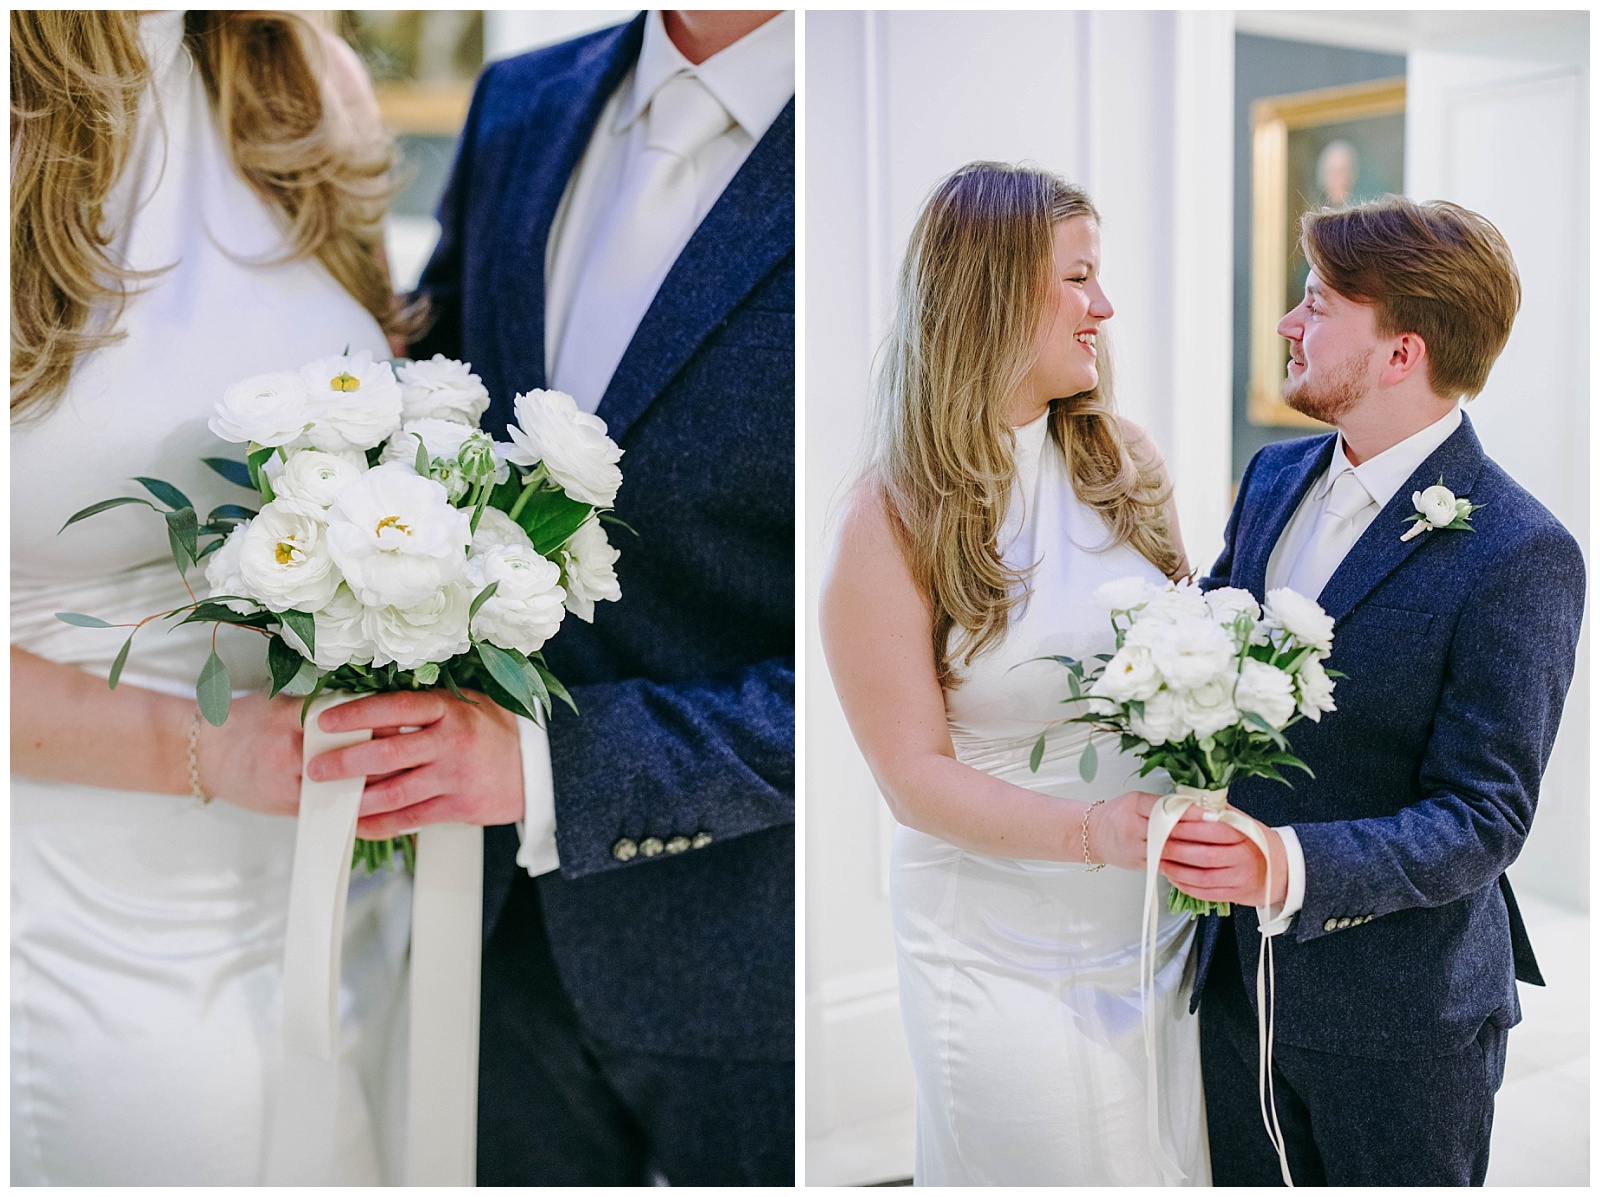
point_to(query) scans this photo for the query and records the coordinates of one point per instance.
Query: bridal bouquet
(396, 545)
(1203, 686)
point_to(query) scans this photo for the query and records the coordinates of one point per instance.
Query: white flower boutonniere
(1438, 507)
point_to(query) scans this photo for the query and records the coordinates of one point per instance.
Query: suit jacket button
(701, 839)
(1331, 925)
(624, 849)
(677, 844)
(650, 847)
(1342, 922)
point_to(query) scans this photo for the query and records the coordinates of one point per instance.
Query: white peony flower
(433, 630)
(1315, 689)
(1191, 652)
(285, 562)
(588, 565)
(496, 528)
(1125, 594)
(1129, 676)
(269, 409)
(1301, 617)
(1209, 708)
(526, 608)
(310, 482)
(354, 402)
(1266, 691)
(442, 389)
(222, 571)
(1437, 505)
(572, 444)
(396, 538)
(1162, 721)
(341, 632)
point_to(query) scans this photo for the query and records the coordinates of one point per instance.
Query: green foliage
(235, 472)
(103, 505)
(166, 492)
(82, 621)
(213, 691)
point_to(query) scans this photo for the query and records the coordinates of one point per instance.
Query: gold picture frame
(1342, 124)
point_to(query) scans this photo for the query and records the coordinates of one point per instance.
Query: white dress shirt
(753, 79)
(1382, 476)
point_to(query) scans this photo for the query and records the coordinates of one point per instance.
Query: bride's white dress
(146, 929)
(1019, 979)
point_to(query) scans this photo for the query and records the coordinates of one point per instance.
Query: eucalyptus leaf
(213, 691)
(506, 669)
(103, 505)
(554, 686)
(1036, 755)
(304, 626)
(166, 492)
(283, 662)
(83, 621)
(115, 675)
(235, 472)
(1089, 762)
(183, 533)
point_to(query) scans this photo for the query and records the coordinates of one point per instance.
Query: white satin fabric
(147, 931)
(1019, 980)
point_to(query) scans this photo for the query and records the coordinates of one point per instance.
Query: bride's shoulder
(348, 92)
(862, 523)
(1141, 445)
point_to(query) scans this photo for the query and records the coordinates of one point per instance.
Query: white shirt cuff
(537, 831)
(1276, 924)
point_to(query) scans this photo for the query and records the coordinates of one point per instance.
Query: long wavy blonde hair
(77, 82)
(971, 292)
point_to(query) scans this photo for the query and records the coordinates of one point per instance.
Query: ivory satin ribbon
(1163, 818)
(446, 942)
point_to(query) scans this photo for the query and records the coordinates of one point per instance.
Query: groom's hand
(1216, 863)
(463, 764)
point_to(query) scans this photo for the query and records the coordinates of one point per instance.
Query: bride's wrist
(1089, 835)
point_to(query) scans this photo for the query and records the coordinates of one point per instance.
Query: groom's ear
(1408, 354)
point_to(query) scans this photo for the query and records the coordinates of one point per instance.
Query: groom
(620, 226)
(1396, 978)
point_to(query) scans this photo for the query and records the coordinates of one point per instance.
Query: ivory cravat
(1336, 531)
(654, 211)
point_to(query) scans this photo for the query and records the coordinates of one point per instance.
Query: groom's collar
(753, 78)
(1384, 474)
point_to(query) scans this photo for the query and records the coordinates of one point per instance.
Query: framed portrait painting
(1314, 149)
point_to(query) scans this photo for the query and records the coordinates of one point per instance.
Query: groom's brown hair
(1434, 269)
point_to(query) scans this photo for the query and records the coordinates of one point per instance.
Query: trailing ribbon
(1163, 819)
(446, 917)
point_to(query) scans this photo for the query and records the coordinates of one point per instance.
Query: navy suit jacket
(1458, 649)
(686, 686)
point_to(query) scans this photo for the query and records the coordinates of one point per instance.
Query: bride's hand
(1118, 829)
(253, 760)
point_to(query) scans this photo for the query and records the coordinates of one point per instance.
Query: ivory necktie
(1337, 529)
(654, 213)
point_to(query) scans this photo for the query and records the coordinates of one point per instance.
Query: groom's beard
(1331, 398)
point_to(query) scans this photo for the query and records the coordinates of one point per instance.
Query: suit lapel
(748, 231)
(1283, 495)
(557, 133)
(1380, 551)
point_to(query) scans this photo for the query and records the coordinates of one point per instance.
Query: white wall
(1138, 108)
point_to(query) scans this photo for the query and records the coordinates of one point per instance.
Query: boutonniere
(1438, 507)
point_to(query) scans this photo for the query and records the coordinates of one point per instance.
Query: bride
(195, 198)
(1001, 490)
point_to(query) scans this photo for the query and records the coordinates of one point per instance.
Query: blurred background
(423, 64)
(1201, 136)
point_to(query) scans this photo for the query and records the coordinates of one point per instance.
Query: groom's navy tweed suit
(1396, 982)
(640, 1014)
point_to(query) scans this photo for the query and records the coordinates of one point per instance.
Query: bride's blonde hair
(77, 80)
(972, 288)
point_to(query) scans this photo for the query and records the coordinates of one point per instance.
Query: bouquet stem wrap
(1163, 818)
(441, 1106)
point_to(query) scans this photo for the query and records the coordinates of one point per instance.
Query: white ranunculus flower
(1267, 691)
(1315, 689)
(1130, 676)
(1301, 617)
(222, 571)
(1125, 594)
(444, 440)
(589, 570)
(396, 538)
(442, 389)
(1163, 719)
(1437, 505)
(310, 482)
(354, 402)
(1192, 652)
(1174, 603)
(269, 409)
(433, 630)
(341, 632)
(526, 608)
(572, 444)
(285, 562)
(1209, 708)
(496, 528)
(1228, 603)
